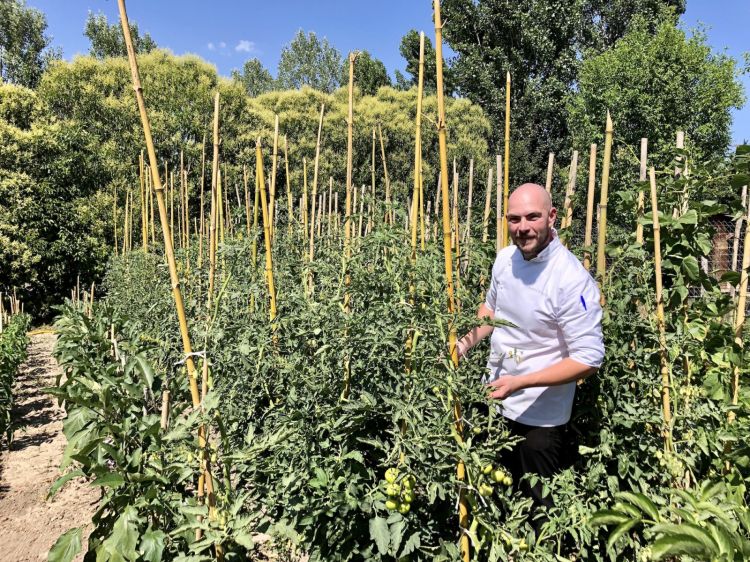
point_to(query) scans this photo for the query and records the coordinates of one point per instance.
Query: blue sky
(227, 33)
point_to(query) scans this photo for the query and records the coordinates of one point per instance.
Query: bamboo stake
(181, 216)
(506, 172)
(125, 223)
(266, 232)
(247, 200)
(330, 206)
(215, 201)
(290, 212)
(372, 171)
(739, 315)
(463, 509)
(640, 209)
(389, 213)
(171, 205)
(487, 207)
(587, 240)
(274, 163)
(203, 182)
(361, 211)
(149, 182)
(227, 211)
(569, 192)
(601, 264)
(550, 168)
(500, 199)
(467, 231)
(179, 305)
(418, 196)
(304, 198)
(144, 216)
(664, 366)
(315, 183)
(114, 219)
(738, 231)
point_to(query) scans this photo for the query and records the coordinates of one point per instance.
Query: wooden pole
(315, 184)
(274, 165)
(601, 263)
(487, 207)
(506, 173)
(389, 213)
(739, 315)
(266, 231)
(463, 507)
(417, 196)
(290, 213)
(114, 219)
(550, 168)
(202, 188)
(215, 201)
(663, 360)
(500, 224)
(587, 240)
(569, 192)
(640, 209)
(372, 171)
(144, 216)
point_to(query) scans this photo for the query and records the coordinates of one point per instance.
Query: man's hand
(504, 386)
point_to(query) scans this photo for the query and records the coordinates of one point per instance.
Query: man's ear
(552, 216)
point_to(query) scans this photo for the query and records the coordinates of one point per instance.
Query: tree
(369, 73)
(654, 85)
(255, 78)
(25, 50)
(308, 61)
(107, 40)
(541, 45)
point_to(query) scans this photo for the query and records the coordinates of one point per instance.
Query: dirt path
(31, 524)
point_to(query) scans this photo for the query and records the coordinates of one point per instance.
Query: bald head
(532, 194)
(531, 218)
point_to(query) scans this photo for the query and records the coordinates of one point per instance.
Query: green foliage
(13, 343)
(25, 50)
(51, 220)
(654, 84)
(308, 61)
(369, 73)
(409, 49)
(107, 40)
(542, 47)
(255, 78)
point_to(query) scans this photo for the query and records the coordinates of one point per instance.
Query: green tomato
(476, 429)
(392, 490)
(407, 497)
(391, 475)
(391, 504)
(499, 476)
(508, 480)
(404, 508)
(487, 469)
(485, 490)
(409, 482)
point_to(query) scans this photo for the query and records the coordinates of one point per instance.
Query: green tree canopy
(369, 73)
(308, 61)
(255, 78)
(541, 45)
(25, 50)
(107, 40)
(654, 85)
(409, 49)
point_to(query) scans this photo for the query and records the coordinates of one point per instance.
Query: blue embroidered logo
(583, 302)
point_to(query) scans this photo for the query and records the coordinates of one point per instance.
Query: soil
(31, 523)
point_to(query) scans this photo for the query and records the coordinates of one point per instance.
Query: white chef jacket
(554, 304)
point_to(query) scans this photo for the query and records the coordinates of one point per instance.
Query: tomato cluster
(399, 489)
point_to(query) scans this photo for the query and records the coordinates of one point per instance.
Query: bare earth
(31, 524)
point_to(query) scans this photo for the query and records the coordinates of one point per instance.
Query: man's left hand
(504, 386)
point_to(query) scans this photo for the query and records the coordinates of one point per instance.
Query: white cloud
(222, 45)
(211, 46)
(245, 46)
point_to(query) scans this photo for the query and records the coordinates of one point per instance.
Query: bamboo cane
(587, 239)
(361, 211)
(640, 209)
(569, 192)
(417, 196)
(664, 366)
(181, 215)
(203, 183)
(179, 305)
(738, 231)
(499, 208)
(506, 172)
(290, 213)
(274, 165)
(144, 217)
(739, 315)
(389, 213)
(550, 168)
(125, 223)
(304, 198)
(247, 200)
(372, 172)
(330, 207)
(223, 177)
(315, 184)
(171, 205)
(149, 182)
(215, 201)
(114, 219)
(463, 509)
(487, 207)
(601, 264)
(266, 232)
(467, 231)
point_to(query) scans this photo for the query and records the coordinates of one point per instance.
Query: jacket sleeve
(579, 316)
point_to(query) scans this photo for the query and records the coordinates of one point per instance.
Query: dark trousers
(544, 451)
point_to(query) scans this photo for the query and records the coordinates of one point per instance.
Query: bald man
(556, 338)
